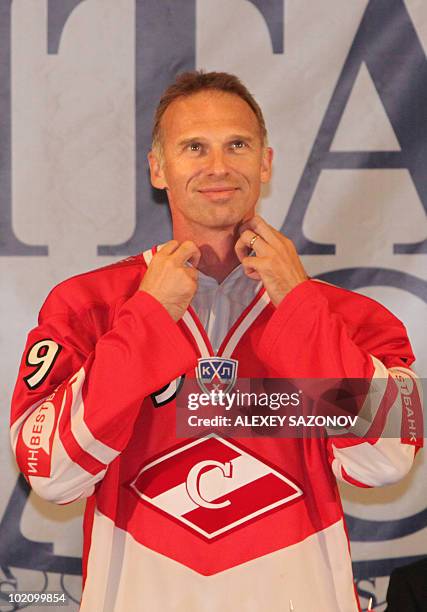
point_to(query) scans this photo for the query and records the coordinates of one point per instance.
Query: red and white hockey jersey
(93, 416)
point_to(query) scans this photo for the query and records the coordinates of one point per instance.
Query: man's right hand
(169, 280)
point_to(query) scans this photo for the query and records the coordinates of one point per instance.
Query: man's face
(213, 161)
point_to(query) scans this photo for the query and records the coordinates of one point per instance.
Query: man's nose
(217, 163)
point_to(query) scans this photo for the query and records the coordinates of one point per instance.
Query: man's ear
(156, 171)
(266, 163)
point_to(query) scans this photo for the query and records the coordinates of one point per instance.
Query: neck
(216, 246)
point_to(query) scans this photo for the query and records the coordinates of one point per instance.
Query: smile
(218, 192)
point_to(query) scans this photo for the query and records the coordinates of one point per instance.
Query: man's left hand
(276, 260)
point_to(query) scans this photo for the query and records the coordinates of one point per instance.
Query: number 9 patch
(42, 355)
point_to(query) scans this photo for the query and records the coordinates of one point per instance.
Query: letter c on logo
(193, 480)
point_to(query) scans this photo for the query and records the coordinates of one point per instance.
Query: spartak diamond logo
(212, 486)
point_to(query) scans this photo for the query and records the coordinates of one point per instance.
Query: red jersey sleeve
(79, 393)
(322, 332)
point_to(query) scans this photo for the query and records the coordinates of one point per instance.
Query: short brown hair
(189, 83)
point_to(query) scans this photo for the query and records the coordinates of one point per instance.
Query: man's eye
(195, 146)
(238, 144)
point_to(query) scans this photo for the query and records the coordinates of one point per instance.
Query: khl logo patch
(216, 374)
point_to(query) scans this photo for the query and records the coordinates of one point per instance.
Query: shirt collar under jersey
(231, 286)
(237, 287)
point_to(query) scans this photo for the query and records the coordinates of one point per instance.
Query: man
(407, 589)
(206, 524)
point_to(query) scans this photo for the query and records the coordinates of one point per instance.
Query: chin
(223, 221)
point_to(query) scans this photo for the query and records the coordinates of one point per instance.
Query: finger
(256, 263)
(250, 266)
(192, 273)
(241, 249)
(251, 224)
(187, 251)
(263, 229)
(253, 275)
(246, 244)
(168, 248)
(194, 259)
(254, 266)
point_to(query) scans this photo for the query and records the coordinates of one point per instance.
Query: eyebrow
(187, 141)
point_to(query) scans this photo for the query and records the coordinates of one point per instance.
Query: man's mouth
(218, 191)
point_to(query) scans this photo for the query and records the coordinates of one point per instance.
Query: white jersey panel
(292, 574)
